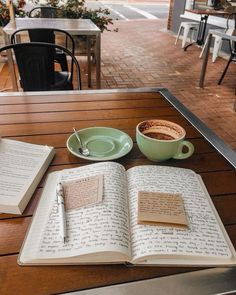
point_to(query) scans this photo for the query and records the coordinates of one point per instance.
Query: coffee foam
(163, 127)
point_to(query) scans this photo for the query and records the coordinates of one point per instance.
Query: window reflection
(203, 4)
(226, 5)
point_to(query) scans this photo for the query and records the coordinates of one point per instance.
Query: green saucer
(104, 143)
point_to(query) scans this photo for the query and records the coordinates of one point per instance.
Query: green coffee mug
(160, 140)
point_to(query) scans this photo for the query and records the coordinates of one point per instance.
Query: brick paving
(143, 54)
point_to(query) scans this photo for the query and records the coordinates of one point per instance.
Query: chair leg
(177, 37)
(61, 59)
(185, 36)
(191, 34)
(234, 108)
(216, 48)
(225, 70)
(204, 47)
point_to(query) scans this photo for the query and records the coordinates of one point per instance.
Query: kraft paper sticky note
(161, 208)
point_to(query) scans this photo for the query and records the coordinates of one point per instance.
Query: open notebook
(108, 232)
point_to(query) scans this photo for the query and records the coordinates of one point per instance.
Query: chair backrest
(230, 31)
(47, 36)
(45, 12)
(35, 63)
(229, 17)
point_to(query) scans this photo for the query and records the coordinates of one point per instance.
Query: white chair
(218, 40)
(217, 43)
(188, 28)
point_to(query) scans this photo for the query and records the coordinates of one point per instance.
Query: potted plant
(77, 9)
(69, 9)
(5, 15)
(4, 11)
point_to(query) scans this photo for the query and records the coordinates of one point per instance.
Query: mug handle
(180, 155)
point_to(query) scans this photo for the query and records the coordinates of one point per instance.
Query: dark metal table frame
(202, 24)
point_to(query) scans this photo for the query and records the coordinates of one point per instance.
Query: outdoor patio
(143, 54)
(46, 176)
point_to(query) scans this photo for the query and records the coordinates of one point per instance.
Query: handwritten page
(161, 208)
(104, 227)
(83, 191)
(203, 237)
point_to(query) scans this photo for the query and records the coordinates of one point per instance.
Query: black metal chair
(48, 12)
(232, 46)
(232, 58)
(45, 12)
(49, 36)
(54, 12)
(36, 67)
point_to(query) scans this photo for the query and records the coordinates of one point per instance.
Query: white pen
(61, 211)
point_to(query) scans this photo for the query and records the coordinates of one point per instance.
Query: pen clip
(60, 193)
(61, 210)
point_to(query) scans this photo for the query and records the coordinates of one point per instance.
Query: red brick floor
(143, 53)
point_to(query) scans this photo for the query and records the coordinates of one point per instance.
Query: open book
(22, 166)
(108, 232)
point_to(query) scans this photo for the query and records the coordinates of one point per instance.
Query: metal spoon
(83, 150)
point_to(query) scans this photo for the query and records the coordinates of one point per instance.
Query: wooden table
(48, 118)
(77, 27)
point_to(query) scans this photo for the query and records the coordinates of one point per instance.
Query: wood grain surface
(48, 119)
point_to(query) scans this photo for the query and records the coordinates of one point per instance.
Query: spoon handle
(77, 136)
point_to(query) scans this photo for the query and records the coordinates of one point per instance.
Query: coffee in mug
(160, 140)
